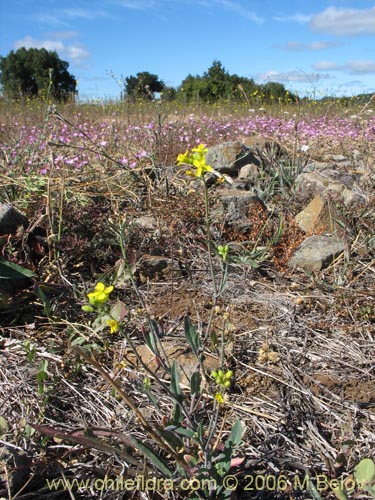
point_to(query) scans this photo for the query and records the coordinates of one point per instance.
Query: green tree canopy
(216, 83)
(30, 72)
(143, 86)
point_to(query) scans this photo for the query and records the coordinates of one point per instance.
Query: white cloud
(63, 35)
(138, 4)
(75, 53)
(241, 10)
(358, 67)
(340, 21)
(83, 13)
(59, 17)
(298, 18)
(291, 76)
(234, 6)
(314, 46)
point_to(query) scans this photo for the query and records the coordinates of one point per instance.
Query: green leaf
(43, 298)
(171, 437)
(4, 426)
(175, 384)
(10, 270)
(150, 342)
(364, 472)
(191, 334)
(339, 493)
(370, 490)
(195, 382)
(314, 492)
(235, 435)
(183, 431)
(177, 416)
(151, 455)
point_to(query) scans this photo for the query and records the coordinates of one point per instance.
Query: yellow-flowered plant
(113, 325)
(100, 295)
(223, 380)
(223, 251)
(196, 158)
(98, 303)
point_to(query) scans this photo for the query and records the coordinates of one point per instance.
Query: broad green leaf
(175, 384)
(150, 342)
(151, 455)
(364, 472)
(172, 438)
(10, 270)
(191, 334)
(235, 435)
(339, 493)
(177, 416)
(184, 432)
(195, 382)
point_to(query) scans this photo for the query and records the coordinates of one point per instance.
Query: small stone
(249, 171)
(316, 253)
(11, 219)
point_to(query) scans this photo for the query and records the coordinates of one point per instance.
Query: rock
(146, 222)
(11, 219)
(155, 267)
(182, 354)
(15, 472)
(318, 217)
(308, 184)
(229, 157)
(236, 204)
(316, 253)
(255, 141)
(249, 171)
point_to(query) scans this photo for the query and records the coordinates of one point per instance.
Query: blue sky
(313, 47)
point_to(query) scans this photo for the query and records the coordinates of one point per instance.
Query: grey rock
(11, 219)
(236, 203)
(327, 183)
(229, 157)
(316, 253)
(249, 171)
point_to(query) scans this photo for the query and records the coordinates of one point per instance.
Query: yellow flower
(201, 149)
(100, 295)
(113, 325)
(183, 158)
(201, 166)
(197, 158)
(219, 397)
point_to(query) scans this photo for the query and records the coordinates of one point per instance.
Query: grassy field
(221, 374)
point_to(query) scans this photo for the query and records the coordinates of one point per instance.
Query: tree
(215, 84)
(143, 85)
(275, 90)
(33, 72)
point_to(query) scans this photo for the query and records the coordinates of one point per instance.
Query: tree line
(39, 72)
(214, 85)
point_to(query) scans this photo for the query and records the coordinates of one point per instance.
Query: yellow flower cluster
(196, 158)
(222, 379)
